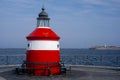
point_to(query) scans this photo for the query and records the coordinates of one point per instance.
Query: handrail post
(7, 61)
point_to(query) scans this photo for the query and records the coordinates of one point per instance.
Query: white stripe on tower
(43, 27)
(43, 45)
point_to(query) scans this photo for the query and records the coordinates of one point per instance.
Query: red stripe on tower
(43, 54)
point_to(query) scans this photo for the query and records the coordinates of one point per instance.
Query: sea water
(10, 56)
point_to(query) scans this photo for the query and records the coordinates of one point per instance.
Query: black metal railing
(11, 59)
(96, 60)
(92, 60)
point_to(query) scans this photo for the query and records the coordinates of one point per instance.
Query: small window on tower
(28, 45)
(58, 46)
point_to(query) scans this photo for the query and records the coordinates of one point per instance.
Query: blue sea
(10, 56)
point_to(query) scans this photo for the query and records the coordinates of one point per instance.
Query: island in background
(105, 47)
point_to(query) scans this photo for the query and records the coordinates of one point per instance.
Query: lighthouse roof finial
(43, 7)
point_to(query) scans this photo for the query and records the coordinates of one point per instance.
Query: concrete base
(78, 72)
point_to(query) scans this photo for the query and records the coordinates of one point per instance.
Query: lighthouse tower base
(43, 63)
(43, 69)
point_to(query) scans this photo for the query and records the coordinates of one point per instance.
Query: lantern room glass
(42, 23)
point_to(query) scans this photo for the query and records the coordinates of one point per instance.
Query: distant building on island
(105, 47)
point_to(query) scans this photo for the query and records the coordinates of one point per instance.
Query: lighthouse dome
(43, 14)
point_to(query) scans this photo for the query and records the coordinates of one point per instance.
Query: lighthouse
(43, 50)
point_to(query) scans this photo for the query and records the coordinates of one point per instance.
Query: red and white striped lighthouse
(43, 54)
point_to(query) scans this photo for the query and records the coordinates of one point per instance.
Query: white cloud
(102, 3)
(20, 3)
(93, 2)
(100, 6)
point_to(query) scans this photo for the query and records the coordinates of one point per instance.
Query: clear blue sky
(79, 23)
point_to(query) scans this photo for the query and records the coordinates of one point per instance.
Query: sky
(79, 23)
